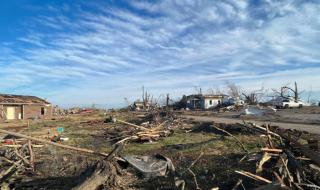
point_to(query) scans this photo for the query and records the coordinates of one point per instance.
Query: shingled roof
(20, 99)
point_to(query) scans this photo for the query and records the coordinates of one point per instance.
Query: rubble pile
(154, 125)
(284, 163)
(16, 159)
(283, 159)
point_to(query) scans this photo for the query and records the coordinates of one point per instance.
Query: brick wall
(34, 111)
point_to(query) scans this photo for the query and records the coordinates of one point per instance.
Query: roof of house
(20, 99)
(214, 96)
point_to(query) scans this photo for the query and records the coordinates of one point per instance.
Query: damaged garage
(16, 107)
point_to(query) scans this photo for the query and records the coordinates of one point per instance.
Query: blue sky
(82, 52)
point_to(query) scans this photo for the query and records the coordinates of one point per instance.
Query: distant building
(14, 107)
(204, 101)
(139, 105)
(193, 101)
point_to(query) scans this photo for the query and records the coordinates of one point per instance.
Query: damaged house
(204, 102)
(15, 107)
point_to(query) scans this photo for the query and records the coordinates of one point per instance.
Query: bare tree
(127, 101)
(233, 90)
(287, 92)
(254, 97)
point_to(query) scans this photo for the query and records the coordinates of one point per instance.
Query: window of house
(43, 111)
(210, 102)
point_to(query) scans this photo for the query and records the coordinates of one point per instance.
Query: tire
(286, 106)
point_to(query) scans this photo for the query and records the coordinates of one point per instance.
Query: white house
(211, 101)
(204, 102)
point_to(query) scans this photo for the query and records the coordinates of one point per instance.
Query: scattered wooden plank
(130, 124)
(253, 176)
(271, 150)
(53, 143)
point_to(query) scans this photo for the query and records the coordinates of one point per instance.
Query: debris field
(155, 149)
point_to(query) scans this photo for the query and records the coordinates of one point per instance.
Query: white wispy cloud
(108, 52)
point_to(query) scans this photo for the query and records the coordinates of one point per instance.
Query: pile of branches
(159, 116)
(15, 160)
(156, 125)
(284, 163)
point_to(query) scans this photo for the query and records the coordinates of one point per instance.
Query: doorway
(11, 113)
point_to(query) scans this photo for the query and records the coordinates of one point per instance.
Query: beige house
(15, 107)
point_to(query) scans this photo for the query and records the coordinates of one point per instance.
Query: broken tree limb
(253, 176)
(53, 143)
(295, 165)
(280, 180)
(237, 184)
(21, 157)
(261, 128)
(19, 146)
(196, 160)
(269, 137)
(194, 179)
(285, 164)
(224, 131)
(5, 173)
(103, 174)
(31, 155)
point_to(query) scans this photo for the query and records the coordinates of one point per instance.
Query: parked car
(289, 103)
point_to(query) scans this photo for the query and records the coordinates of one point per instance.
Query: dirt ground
(57, 168)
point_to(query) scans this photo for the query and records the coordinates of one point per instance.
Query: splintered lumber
(264, 159)
(271, 150)
(53, 143)
(253, 176)
(130, 124)
(224, 131)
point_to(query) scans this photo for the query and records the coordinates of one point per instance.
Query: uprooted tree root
(102, 175)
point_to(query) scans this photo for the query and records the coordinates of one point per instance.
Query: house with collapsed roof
(140, 105)
(200, 101)
(15, 107)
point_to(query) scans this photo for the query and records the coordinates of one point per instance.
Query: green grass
(81, 135)
(193, 143)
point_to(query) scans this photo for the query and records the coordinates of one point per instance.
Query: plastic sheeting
(151, 166)
(258, 111)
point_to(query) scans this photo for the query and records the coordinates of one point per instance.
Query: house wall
(34, 111)
(17, 111)
(1, 113)
(214, 102)
(194, 104)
